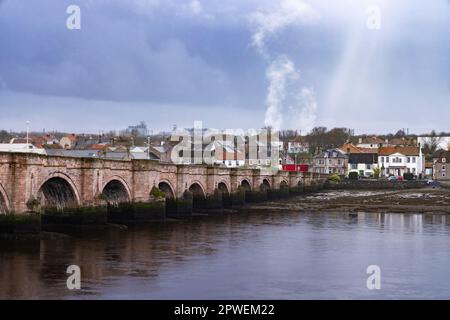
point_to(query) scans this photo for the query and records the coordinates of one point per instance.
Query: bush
(353, 175)
(408, 176)
(33, 204)
(334, 178)
(376, 172)
(157, 193)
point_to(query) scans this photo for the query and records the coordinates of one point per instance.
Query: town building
(441, 165)
(21, 148)
(298, 145)
(361, 160)
(371, 142)
(68, 142)
(396, 161)
(225, 153)
(331, 161)
(138, 130)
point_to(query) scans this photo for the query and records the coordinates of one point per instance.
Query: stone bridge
(82, 181)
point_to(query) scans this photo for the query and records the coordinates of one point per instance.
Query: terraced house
(441, 165)
(331, 161)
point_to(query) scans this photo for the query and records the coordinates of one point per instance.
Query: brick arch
(247, 181)
(167, 182)
(64, 177)
(122, 181)
(4, 201)
(199, 184)
(222, 183)
(266, 182)
(284, 182)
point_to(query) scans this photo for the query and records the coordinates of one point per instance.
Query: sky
(373, 66)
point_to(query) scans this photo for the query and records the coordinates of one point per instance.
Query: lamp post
(148, 147)
(28, 131)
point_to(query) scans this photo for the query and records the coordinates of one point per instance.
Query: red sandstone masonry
(22, 176)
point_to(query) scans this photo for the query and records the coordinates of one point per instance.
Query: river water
(270, 255)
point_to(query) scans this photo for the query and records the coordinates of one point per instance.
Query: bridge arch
(246, 185)
(58, 190)
(265, 184)
(116, 190)
(197, 189)
(4, 201)
(166, 187)
(283, 183)
(199, 194)
(223, 187)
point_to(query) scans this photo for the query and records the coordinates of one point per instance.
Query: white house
(395, 161)
(21, 148)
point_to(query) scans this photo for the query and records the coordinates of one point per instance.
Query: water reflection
(269, 255)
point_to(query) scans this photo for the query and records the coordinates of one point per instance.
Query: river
(263, 255)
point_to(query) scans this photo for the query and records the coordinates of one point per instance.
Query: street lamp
(28, 130)
(148, 147)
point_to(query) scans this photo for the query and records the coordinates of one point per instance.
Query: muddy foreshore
(425, 200)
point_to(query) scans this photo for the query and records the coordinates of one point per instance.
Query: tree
(400, 134)
(319, 138)
(431, 144)
(376, 172)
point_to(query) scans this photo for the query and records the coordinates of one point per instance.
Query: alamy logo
(73, 21)
(374, 280)
(74, 280)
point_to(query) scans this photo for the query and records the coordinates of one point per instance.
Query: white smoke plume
(286, 98)
(286, 13)
(279, 73)
(302, 115)
(284, 79)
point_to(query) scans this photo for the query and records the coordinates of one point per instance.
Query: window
(443, 174)
(229, 163)
(387, 159)
(339, 162)
(250, 161)
(414, 159)
(354, 166)
(267, 162)
(444, 167)
(408, 160)
(329, 161)
(382, 159)
(443, 160)
(368, 166)
(414, 170)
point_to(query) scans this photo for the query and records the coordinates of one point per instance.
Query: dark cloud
(117, 55)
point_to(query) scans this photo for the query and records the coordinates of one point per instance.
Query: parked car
(432, 183)
(392, 178)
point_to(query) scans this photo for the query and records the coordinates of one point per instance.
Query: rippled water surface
(271, 255)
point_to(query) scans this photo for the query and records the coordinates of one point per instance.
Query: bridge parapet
(27, 176)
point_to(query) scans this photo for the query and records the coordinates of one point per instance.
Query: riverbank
(424, 200)
(420, 200)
